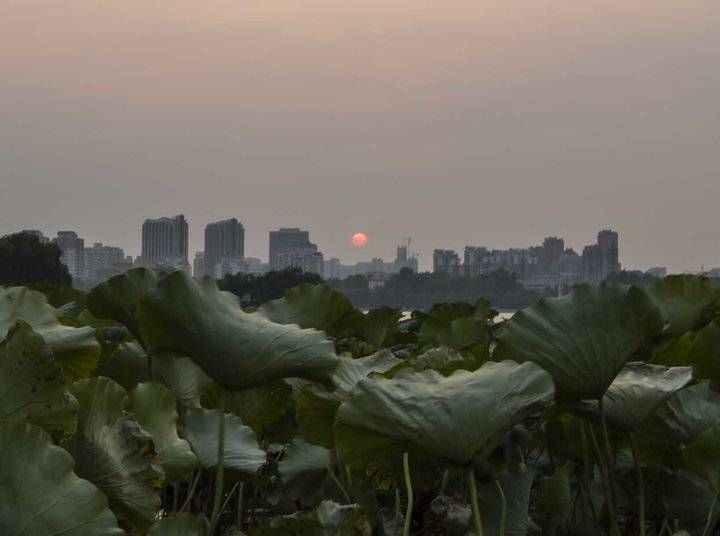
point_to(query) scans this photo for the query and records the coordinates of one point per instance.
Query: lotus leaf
(583, 339)
(75, 349)
(32, 383)
(516, 484)
(238, 350)
(153, 405)
(457, 419)
(688, 413)
(118, 298)
(242, 452)
(704, 354)
(693, 501)
(684, 301)
(316, 406)
(39, 493)
(127, 364)
(638, 391)
(114, 453)
(182, 376)
(304, 471)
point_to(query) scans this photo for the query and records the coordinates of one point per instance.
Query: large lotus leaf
(153, 405)
(379, 324)
(127, 364)
(693, 501)
(238, 350)
(32, 383)
(259, 407)
(674, 352)
(582, 339)
(688, 413)
(702, 456)
(638, 391)
(516, 484)
(329, 519)
(456, 325)
(555, 502)
(314, 306)
(242, 452)
(75, 349)
(316, 406)
(182, 376)
(118, 298)
(704, 354)
(684, 301)
(114, 453)
(458, 419)
(179, 525)
(304, 470)
(39, 493)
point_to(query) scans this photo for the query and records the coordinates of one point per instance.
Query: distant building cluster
(547, 265)
(375, 269)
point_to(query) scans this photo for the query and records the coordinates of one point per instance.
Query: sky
(454, 122)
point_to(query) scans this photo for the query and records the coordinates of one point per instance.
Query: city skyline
(453, 122)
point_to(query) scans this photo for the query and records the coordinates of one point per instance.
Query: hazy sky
(485, 122)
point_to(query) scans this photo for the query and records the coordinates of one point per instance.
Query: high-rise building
(286, 240)
(446, 261)
(165, 242)
(223, 239)
(199, 264)
(607, 240)
(72, 249)
(102, 262)
(307, 258)
(592, 264)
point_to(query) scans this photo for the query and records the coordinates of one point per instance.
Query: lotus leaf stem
(586, 471)
(444, 482)
(339, 485)
(640, 485)
(220, 473)
(477, 520)
(397, 512)
(410, 498)
(239, 513)
(610, 461)
(708, 523)
(606, 481)
(227, 499)
(503, 509)
(191, 491)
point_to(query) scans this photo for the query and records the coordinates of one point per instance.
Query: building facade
(103, 262)
(165, 242)
(285, 240)
(307, 258)
(446, 261)
(72, 250)
(223, 239)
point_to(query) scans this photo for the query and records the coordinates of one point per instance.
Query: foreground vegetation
(161, 407)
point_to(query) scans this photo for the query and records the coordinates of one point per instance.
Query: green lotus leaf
(379, 324)
(304, 470)
(688, 413)
(314, 306)
(182, 376)
(555, 501)
(674, 352)
(153, 405)
(32, 385)
(75, 349)
(238, 350)
(329, 519)
(258, 407)
(316, 406)
(457, 419)
(638, 391)
(583, 339)
(39, 493)
(118, 298)
(242, 452)
(516, 484)
(445, 360)
(179, 525)
(702, 456)
(459, 326)
(127, 364)
(693, 501)
(704, 354)
(114, 453)
(685, 301)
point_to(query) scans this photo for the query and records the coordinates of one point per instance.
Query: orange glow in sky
(359, 240)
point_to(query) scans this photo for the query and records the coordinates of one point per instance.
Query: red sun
(359, 240)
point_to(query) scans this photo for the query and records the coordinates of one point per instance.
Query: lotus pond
(161, 407)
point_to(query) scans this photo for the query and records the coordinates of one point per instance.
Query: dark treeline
(25, 260)
(409, 290)
(254, 290)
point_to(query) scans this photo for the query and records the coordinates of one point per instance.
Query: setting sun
(359, 240)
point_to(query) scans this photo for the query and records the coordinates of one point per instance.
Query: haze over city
(487, 123)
